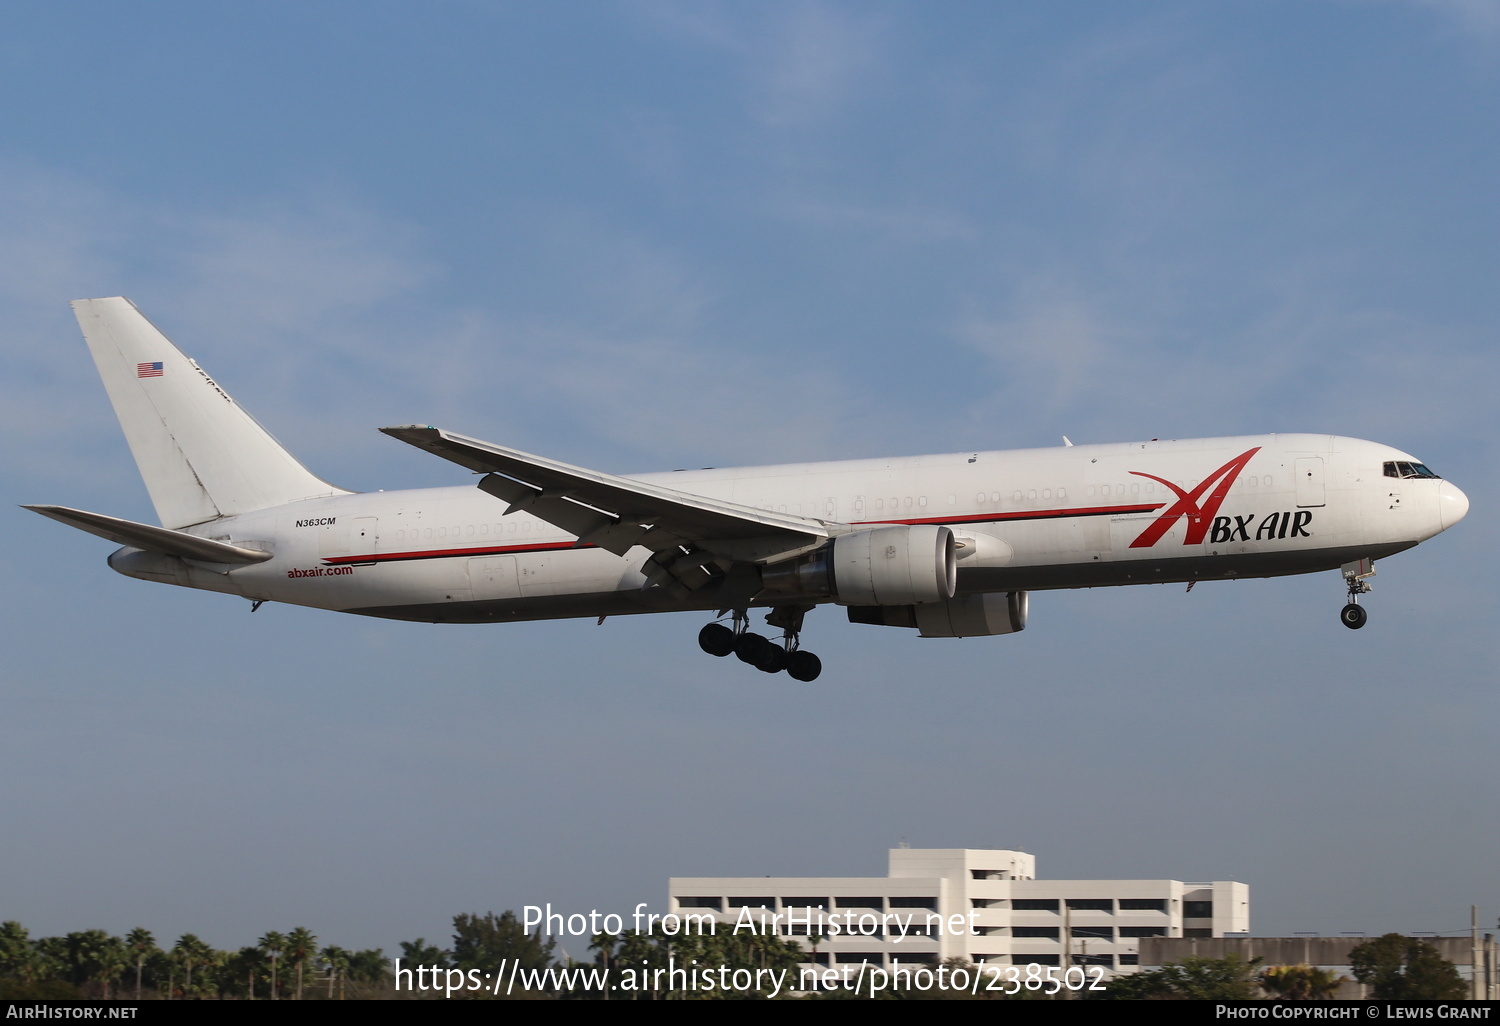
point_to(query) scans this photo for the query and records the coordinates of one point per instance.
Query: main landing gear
(761, 652)
(1353, 615)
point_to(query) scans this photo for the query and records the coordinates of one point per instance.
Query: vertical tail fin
(200, 454)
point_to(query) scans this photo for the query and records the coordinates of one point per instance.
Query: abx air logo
(1192, 506)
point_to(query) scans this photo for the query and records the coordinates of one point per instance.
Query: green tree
(19, 955)
(419, 952)
(1300, 982)
(371, 965)
(245, 964)
(1404, 968)
(481, 942)
(94, 956)
(1219, 979)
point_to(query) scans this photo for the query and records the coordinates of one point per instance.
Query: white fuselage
(1078, 516)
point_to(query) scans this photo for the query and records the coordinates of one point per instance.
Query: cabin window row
(413, 534)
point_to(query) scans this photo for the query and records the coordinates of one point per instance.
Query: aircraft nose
(1452, 504)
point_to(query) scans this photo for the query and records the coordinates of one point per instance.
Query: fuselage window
(1046, 493)
(1091, 491)
(1104, 490)
(1031, 495)
(922, 500)
(994, 496)
(908, 502)
(1062, 493)
(1017, 497)
(979, 498)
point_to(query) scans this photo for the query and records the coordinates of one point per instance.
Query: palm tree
(190, 952)
(141, 944)
(336, 961)
(273, 944)
(604, 943)
(301, 945)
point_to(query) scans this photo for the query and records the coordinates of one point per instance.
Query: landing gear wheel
(772, 660)
(716, 639)
(1353, 616)
(750, 648)
(803, 666)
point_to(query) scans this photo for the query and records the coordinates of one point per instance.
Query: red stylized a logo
(1198, 517)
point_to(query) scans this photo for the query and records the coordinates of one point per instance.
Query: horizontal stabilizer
(610, 511)
(152, 539)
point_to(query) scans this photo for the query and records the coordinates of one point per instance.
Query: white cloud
(802, 63)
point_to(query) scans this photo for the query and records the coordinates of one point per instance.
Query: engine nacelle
(899, 565)
(965, 616)
(974, 616)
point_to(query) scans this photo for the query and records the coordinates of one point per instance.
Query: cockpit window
(1403, 470)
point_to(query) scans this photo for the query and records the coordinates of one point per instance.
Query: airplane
(950, 545)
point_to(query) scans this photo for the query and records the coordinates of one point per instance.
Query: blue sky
(640, 236)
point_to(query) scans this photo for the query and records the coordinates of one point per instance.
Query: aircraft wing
(152, 539)
(616, 513)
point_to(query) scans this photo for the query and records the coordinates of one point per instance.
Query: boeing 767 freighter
(949, 545)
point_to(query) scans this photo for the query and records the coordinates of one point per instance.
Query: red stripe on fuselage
(506, 550)
(1040, 514)
(488, 550)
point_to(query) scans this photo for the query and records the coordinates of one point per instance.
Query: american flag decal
(148, 370)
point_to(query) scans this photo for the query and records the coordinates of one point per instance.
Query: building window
(1143, 905)
(1142, 931)
(1033, 904)
(1092, 904)
(768, 902)
(1197, 910)
(875, 903)
(699, 902)
(1049, 932)
(1101, 932)
(927, 903)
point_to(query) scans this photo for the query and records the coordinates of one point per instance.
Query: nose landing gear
(760, 652)
(1353, 615)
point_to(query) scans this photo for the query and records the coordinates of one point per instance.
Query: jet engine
(899, 565)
